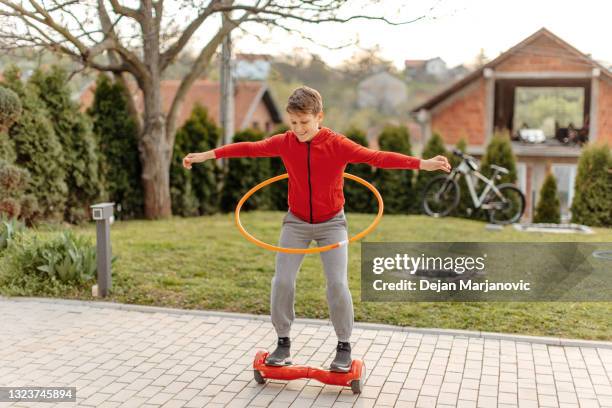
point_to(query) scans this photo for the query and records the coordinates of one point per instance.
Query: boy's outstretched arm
(355, 153)
(192, 158)
(269, 147)
(438, 162)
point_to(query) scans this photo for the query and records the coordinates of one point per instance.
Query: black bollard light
(103, 215)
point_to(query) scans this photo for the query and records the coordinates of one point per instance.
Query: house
(381, 91)
(458, 72)
(430, 68)
(254, 106)
(255, 67)
(500, 96)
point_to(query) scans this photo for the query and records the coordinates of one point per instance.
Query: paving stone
(169, 359)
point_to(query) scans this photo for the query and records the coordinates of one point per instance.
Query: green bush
(14, 180)
(64, 258)
(592, 203)
(499, 152)
(243, 174)
(549, 208)
(357, 197)
(456, 160)
(7, 148)
(38, 150)
(117, 139)
(10, 108)
(395, 185)
(13, 200)
(30, 208)
(9, 229)
(434, 147)
(184, 201)
(206, 178)
(466, 205)
(195, 192)
(74, 132)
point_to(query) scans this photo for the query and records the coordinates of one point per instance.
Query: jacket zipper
(309, 185)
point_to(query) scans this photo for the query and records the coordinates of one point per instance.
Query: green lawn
(204, 263)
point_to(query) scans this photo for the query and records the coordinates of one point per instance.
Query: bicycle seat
(500, 169)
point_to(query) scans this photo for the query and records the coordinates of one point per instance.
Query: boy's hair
(305, 100)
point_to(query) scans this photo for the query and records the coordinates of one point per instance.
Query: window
(548, 109)
(565, 175)
(256, 125)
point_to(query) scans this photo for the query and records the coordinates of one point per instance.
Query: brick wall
(462, 115)
(261, 116)
(604, 114)
(543, 54)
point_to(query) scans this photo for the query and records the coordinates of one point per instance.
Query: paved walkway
(127, 358)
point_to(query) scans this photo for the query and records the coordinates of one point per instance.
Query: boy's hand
(194, 158)
(436, 163)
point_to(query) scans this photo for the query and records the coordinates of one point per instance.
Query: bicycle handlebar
(463, 155)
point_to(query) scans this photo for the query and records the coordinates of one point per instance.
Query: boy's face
(305, 125)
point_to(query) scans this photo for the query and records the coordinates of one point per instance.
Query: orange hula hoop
(264, 245)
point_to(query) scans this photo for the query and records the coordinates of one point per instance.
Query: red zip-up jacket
(315, 167)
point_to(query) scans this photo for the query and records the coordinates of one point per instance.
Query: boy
(315, 158)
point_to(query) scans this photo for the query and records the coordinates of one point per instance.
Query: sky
(453, 30)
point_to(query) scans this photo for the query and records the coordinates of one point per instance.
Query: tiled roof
(246, 95)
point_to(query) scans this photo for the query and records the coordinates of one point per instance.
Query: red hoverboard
(354, 378)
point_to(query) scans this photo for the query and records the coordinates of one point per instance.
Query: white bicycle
(505, 203)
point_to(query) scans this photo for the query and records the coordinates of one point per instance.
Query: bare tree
(140, 39)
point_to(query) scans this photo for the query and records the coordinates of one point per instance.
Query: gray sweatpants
(296, 233)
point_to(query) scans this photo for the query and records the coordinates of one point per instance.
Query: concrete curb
(553, 341)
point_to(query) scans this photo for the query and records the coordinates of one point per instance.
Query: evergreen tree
(14, 180)
(466, 205)
(74, 132)
(396, 185)
(461, 146)
(117, 140)
(7, 148)
(499, 152)
(548, 208)
(592, 203)
(195, 192)
(278, 190)
(38, 150)
(434, 147)
(243, 174)
(10, 110)
(357, 197)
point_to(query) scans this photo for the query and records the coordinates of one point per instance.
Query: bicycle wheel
(508, 206)
(441, 196)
